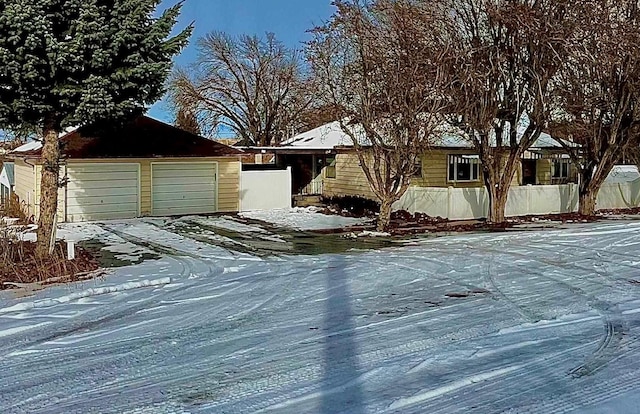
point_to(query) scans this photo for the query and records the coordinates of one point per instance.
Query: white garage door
(102, 191)
(186, 188)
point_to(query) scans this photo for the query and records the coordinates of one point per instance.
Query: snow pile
(307, 218)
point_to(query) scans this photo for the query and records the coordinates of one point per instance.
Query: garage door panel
(77, 191)
(98, 215)
(103, 176)
(189, 210)
(188, 188)
(184, 188)
(191, 202)
(102, 200)
(191, 166)
(102, 191)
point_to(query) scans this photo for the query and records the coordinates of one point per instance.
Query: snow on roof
(36, 145)
(29, 146)
(330, 135)
(623, 174)
(327, 136)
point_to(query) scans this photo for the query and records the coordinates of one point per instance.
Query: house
(311, 156)
(7, 182)
(324, 162)
(142, 168)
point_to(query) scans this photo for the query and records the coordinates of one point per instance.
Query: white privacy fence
(265, 190)
(469, 203)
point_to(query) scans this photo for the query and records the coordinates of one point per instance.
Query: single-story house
(311, 156)
(324, 162)
(7, 182)
(143, 168)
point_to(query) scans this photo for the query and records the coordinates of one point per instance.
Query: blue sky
(288, 19)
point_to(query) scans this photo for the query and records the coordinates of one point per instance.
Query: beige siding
(435, 168)
(543, 172)
(25, 186)
(350, 179)
(228, 179)
(229, 168)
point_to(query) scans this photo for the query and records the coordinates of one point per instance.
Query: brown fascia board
(142, 138)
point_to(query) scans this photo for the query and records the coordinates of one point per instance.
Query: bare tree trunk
(590, 184)
(497, 181)
(591, 179)
(497, 203)
(587, 202)
(384, 219)
(48, 189)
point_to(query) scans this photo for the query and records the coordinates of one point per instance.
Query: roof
(623, 174)
(144, 137)
(324, 137)
(6, 174)
(331, 136)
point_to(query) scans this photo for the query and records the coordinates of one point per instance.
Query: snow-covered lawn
(307, 218)
(536, 322)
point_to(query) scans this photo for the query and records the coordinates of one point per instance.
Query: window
(417, 171)
(560, 169)
(331, 166)
(463, 168)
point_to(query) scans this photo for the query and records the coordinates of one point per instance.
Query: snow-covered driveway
(535, 322)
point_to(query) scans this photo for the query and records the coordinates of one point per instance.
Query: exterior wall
(228, 178)
(28, 182)
(544, 170)
(350, 179)
(435, 168)
(25, 186)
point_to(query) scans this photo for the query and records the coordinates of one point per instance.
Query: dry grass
(19, 264)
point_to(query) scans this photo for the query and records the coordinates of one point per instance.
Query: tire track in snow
(609, 347)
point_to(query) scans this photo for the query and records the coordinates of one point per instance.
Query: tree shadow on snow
(341, 385)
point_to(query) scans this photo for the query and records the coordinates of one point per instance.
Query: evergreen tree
(73, 62)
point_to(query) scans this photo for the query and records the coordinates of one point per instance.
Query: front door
(529, 172)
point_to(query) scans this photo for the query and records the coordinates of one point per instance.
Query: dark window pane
(452, 174)
(464, 171)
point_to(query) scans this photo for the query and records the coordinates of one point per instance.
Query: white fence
(469, 203)
(265, 190)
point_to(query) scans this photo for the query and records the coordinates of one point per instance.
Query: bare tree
(507, 52)
(598, 94)
(381, 63)
(187, 121)
(250, 85)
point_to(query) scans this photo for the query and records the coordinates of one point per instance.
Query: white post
(71, 250)
(52, 242)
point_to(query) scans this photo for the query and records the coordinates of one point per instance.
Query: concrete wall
(265, 190)
(470, 203)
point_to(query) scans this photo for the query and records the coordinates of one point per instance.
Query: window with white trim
(560, 168)
(464, 168)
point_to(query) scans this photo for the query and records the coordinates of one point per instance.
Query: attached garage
(142, 168)
(183, 188)
(102, 191)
